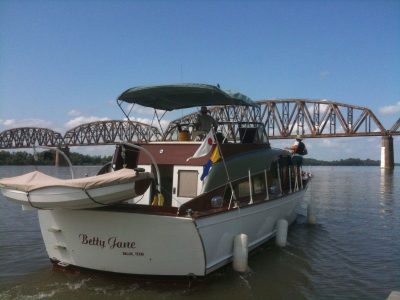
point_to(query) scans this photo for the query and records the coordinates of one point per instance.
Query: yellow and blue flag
(215, 156)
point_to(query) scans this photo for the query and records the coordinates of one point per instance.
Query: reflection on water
(353, 252)
(386, 190)
(387, 178)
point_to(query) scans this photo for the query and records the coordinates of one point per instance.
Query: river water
(353, 252)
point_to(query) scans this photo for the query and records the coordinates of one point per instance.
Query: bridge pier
(60, 160)
(387, 153)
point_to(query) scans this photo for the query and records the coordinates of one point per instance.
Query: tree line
(48, 158)
(341, 162)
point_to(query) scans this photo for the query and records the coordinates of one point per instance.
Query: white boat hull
(258, 222)
(123, 242)
(150, 244)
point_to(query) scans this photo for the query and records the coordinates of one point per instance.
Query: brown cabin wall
(178, 153)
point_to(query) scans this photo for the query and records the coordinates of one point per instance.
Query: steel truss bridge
(282, 119)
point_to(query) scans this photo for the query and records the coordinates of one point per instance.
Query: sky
(63, 63)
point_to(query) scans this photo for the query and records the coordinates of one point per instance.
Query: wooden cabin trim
(177, 153)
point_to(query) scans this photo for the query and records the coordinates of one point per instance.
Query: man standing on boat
(204, 122)
(298, 149)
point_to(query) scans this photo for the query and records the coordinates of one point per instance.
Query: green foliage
(342, 162)
(48, 158)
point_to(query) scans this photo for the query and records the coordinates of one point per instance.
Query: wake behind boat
(212, 184)
(39, 190)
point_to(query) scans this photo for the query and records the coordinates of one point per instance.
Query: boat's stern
(123, 242)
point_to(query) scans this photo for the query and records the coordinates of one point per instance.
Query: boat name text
(112, 242)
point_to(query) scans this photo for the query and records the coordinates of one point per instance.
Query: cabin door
(186, 184)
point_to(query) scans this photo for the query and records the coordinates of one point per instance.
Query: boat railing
(60, 152)
(256, 187)
(154, 163)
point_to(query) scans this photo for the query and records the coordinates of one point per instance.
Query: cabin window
(259, 183)
(243, 189)
(273, 182)
(187, 183)
(284, 165)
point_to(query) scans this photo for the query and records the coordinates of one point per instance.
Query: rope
(90, 197)
(30, 202)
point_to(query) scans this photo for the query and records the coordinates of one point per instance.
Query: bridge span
(282, 118)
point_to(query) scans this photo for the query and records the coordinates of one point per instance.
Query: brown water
(352, 253)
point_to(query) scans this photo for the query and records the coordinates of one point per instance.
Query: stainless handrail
(158, 185)
(62, 153)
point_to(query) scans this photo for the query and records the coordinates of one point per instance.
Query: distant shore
(21, 158)
(343, 162)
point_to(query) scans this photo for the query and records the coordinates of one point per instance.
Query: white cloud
(342, 148)
(13, 123)
(82, 120)
(390, 109)
(74, 113)
(164, 123)
(138, 109)
(329, 143)
(8, 123)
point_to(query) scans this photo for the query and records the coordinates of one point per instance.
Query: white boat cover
(37, 180)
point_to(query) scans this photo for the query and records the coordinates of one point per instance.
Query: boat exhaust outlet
(240, 253)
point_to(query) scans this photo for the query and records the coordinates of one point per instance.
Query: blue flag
(206, 169)
(213, 159)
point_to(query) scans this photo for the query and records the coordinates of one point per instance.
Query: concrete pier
(387, 153)
(60, 160)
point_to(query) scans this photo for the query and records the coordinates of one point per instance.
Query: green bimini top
(178, 96)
